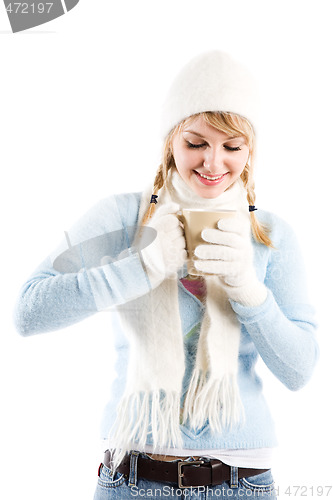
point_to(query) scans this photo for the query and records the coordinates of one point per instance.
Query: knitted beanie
(212, 81)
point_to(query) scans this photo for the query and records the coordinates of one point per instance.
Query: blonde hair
(230, 124)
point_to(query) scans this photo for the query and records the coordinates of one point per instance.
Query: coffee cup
(194, 221)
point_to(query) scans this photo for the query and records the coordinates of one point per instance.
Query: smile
(210, 178)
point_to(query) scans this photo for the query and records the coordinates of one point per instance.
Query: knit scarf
(151, 402)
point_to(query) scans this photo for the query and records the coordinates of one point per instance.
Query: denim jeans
(118, 486)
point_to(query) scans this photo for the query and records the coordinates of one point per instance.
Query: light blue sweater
(59, 293)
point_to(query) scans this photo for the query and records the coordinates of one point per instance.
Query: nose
(214, 160)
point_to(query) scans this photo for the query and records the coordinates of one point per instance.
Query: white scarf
(156, 362)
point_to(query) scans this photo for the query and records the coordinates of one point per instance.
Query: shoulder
(286, 273)
(128, 205)
(111, 213)
(280, 231)
(125, 202)
(124, 205)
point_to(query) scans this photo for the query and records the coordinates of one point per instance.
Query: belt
(186, 474)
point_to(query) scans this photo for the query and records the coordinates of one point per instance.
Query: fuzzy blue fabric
(95, 268)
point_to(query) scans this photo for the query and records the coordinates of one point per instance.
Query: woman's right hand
(167, 253)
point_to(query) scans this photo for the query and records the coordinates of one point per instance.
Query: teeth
(210, 178)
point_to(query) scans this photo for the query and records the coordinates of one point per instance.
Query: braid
(259, 230)
(161, 174)
(158, 184)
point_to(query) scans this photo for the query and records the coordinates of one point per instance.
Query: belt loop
(233, 477)
(133, 472)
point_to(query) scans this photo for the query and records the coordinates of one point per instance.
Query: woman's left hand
(229, 254)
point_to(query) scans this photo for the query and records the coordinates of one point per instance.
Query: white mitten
(166, 254)
(230, 255)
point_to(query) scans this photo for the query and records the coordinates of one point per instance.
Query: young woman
(187, 416)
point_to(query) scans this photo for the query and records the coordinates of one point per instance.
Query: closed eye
(201, 145)
(195, 146)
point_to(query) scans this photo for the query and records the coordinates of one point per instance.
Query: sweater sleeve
(97, 271)
(283, 327)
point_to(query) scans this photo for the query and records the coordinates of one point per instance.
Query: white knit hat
(211, 81)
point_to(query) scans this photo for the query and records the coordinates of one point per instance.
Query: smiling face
(207, 159)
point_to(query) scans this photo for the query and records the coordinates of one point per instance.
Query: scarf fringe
(133, 425)
(215, 400)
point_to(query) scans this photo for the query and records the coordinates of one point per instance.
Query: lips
(210, 180)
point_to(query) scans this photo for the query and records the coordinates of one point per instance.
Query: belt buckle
(180, 472)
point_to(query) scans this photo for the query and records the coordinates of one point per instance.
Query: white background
(80, 100)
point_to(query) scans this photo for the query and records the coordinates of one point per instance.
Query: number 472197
(304, 491)
(32, 8)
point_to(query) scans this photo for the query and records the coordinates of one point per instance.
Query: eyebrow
(202, 137)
